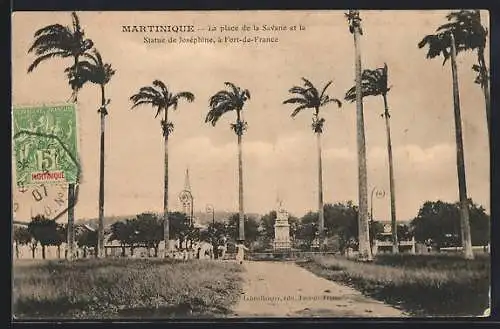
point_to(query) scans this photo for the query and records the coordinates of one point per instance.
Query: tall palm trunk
(100, 238)
(166, 223)
(485, 84)
(240, 191)
(395, 245)
(71, 199)
(364, 238)
(71, 221)
(321, 215)
(462, 186)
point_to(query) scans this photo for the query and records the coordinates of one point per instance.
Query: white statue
(281, 229)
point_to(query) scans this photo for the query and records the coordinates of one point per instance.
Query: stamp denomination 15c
(45, 145)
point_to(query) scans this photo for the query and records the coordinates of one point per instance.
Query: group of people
(205, 250)
(202, 250)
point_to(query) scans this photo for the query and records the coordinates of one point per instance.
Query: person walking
(240, 255)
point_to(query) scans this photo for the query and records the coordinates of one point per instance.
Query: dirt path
(284, 289)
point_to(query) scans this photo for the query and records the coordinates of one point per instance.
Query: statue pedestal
(282, 231)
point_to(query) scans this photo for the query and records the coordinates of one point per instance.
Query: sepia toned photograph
(250, 164)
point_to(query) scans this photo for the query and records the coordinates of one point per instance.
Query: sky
(279, 153)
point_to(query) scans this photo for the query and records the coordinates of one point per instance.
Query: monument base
(282, 245)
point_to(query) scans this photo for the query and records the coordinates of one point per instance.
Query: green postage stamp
(45, 144)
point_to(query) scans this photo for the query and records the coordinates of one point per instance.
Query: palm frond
(327, 100)
(466, 26)
(150, 91)
(188, 96)
(94, 56)
(90, 71)
(307, 83)
(49, 29)
(160, 84)
(298, 109)
(310, 97)
(236, 90)
(142, 102)
(350, 95)
(159, 109)
(438, 45)
(225, 101)
(295, 100)
(109, 72)
(325, 88)
(221, 96)
(368, 89)
(310, 88)
(216, 112)
(146, 96)
(174, 101)
(45, 57)
(80, 74)
(297, 90)
(76, 22)
(61, 40)
(246, 93)
(98, 56)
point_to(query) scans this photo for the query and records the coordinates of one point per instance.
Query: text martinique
(47, 175)
(226, 39)
(158, 28)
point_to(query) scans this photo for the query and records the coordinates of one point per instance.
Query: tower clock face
(185, 197)
(50, 201)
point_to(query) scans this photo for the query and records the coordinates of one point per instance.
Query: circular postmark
(48, 200)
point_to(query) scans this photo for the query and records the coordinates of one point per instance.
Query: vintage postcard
(242, 164)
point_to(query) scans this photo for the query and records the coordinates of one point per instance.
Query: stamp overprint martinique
(45, 144)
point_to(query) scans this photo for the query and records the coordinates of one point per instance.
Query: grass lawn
(118, 288)
(422, 285)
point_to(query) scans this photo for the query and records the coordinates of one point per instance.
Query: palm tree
(308, 97)
(226, 101)
(97, 72)
(444, 43)
(374, 83)
(54, 41)
(365, 253)
(162, 99)
(470, 34)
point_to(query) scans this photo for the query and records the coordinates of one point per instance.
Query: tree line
(44, 232)
(463, 32)
(436, 225)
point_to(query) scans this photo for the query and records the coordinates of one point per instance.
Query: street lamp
(210, 209)
(379, 193)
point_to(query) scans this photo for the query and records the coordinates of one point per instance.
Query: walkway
(284, 289)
